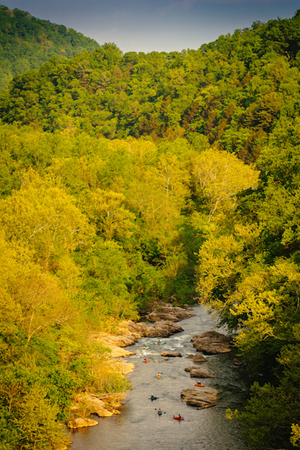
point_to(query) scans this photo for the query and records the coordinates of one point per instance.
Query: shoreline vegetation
(129, 179)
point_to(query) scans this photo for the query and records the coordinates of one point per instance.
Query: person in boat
(145, 359)
(158, 342)
(179, 416)
(159, 411)
(152, 397)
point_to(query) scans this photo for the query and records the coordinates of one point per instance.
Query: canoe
(178, 418)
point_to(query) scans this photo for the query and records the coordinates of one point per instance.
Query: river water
(139, 426)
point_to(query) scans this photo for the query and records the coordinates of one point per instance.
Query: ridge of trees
(233, 90)
(27, 42)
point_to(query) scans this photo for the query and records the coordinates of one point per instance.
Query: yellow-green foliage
(93, 228)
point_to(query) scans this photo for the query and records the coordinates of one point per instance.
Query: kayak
(146, 360)
(158, 343)
(178, 418)
(154, 398)
(199, 385)
(159, 413)
(158, 376)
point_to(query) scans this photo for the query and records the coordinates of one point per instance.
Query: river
(139, 426)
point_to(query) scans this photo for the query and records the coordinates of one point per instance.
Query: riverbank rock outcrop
(82, 423)
(212, 343)
(204, 397)
(85, 404)
(129, 332)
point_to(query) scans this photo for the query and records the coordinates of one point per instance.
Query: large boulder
(172, 313)
(200, 373)
(212, 343)
(198, 358)
(203, 398)
(136, 329)
(172, 354)
(163, 329)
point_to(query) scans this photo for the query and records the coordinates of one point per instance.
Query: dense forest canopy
(128, 178)
(234, 90)
(27, 42)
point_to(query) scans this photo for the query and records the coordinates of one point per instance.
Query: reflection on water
(139, 425)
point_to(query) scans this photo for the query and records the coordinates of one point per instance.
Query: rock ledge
(204, 397)
(212, 343)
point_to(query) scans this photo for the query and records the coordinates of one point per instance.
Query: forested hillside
(235, 91)
(27, 42)
(131, 178)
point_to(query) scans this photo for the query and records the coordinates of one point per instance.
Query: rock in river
(199, 358)
(212, 343)
(203, 398)
(237, 362)
(198, 372)
(174, 314)
(163, 329)
(172, 354)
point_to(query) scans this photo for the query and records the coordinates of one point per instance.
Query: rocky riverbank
(139, 424)
(128, 332)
